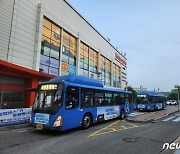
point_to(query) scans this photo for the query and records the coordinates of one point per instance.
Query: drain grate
(129, 139)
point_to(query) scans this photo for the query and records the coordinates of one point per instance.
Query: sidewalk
(152, 116)
(17, 126)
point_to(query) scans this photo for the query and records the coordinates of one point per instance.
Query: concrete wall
(6, 11)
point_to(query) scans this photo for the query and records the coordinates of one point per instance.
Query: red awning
(7, 68)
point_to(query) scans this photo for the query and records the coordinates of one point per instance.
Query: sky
(148, 31)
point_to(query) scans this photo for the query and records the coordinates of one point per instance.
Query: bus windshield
(48, 99)
(143, 99)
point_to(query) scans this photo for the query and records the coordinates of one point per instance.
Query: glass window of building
(50, 48)
(69, 52)
(108, 72)
(105, 67)
(93, 63)
(102, 68)
(118, 83)
(114, 75)
(84, 59)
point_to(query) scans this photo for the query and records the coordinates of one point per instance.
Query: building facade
(44, 39)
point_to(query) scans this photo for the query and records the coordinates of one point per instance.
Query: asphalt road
(115, 136)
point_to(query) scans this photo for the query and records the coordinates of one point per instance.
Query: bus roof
(98, 88)
(77, 79)
(150, 93)
(82, 81)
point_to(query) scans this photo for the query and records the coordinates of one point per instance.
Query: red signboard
(120, 59)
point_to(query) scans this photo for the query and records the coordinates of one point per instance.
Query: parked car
(171, 102)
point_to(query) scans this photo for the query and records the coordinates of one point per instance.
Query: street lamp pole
(178, 97)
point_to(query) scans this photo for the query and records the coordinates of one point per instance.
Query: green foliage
(134, 93)
(172, 96)
(174, 93)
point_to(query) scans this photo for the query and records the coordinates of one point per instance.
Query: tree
(174, 93)
(134, 93)
(172, 96)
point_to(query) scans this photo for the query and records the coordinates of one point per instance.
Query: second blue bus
(150, 101)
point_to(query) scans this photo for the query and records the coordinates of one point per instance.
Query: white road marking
(22, 131)
(170, 118)
(177, 119)
(135, 114)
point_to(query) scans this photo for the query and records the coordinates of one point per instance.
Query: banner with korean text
(14, 116)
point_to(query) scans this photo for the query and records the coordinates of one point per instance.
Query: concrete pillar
(32, 83)
(39, 26)
(98, 66)
(78, 55)
(89, 73)
(111, 73)
(60, 54)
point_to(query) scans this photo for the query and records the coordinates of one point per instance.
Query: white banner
(14, 116)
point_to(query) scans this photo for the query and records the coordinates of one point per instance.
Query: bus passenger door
(71, 118)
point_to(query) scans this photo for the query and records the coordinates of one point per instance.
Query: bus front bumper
(44, 127)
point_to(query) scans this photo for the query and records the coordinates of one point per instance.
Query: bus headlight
(58, 121)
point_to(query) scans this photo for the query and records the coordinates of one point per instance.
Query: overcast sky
(148, 31)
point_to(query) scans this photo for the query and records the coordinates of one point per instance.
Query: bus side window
(108, 98)
(72, 98)
(87, 98)
(121, 98)
(99, 98)
(115, 99)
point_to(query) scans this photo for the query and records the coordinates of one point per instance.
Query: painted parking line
(115, 127)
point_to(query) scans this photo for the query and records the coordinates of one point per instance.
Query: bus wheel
(122, 114)
(86, 122)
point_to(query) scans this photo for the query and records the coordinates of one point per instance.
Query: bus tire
(86, 121)
(122, 114)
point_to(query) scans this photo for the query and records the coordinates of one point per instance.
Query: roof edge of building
(70, 5)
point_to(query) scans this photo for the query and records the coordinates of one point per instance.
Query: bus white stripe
(177, 119)
(170, 118)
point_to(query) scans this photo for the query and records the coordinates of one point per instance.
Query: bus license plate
(141, 109)
(39, 126)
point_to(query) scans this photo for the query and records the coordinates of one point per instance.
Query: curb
(150, 120)
(12, 127)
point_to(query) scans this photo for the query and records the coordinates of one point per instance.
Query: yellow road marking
(112, 129)
(133, 125)
(103, 128)
(124, 127)
(109, 132)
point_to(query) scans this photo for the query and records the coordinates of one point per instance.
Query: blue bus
(72, 101)
(150, 101)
